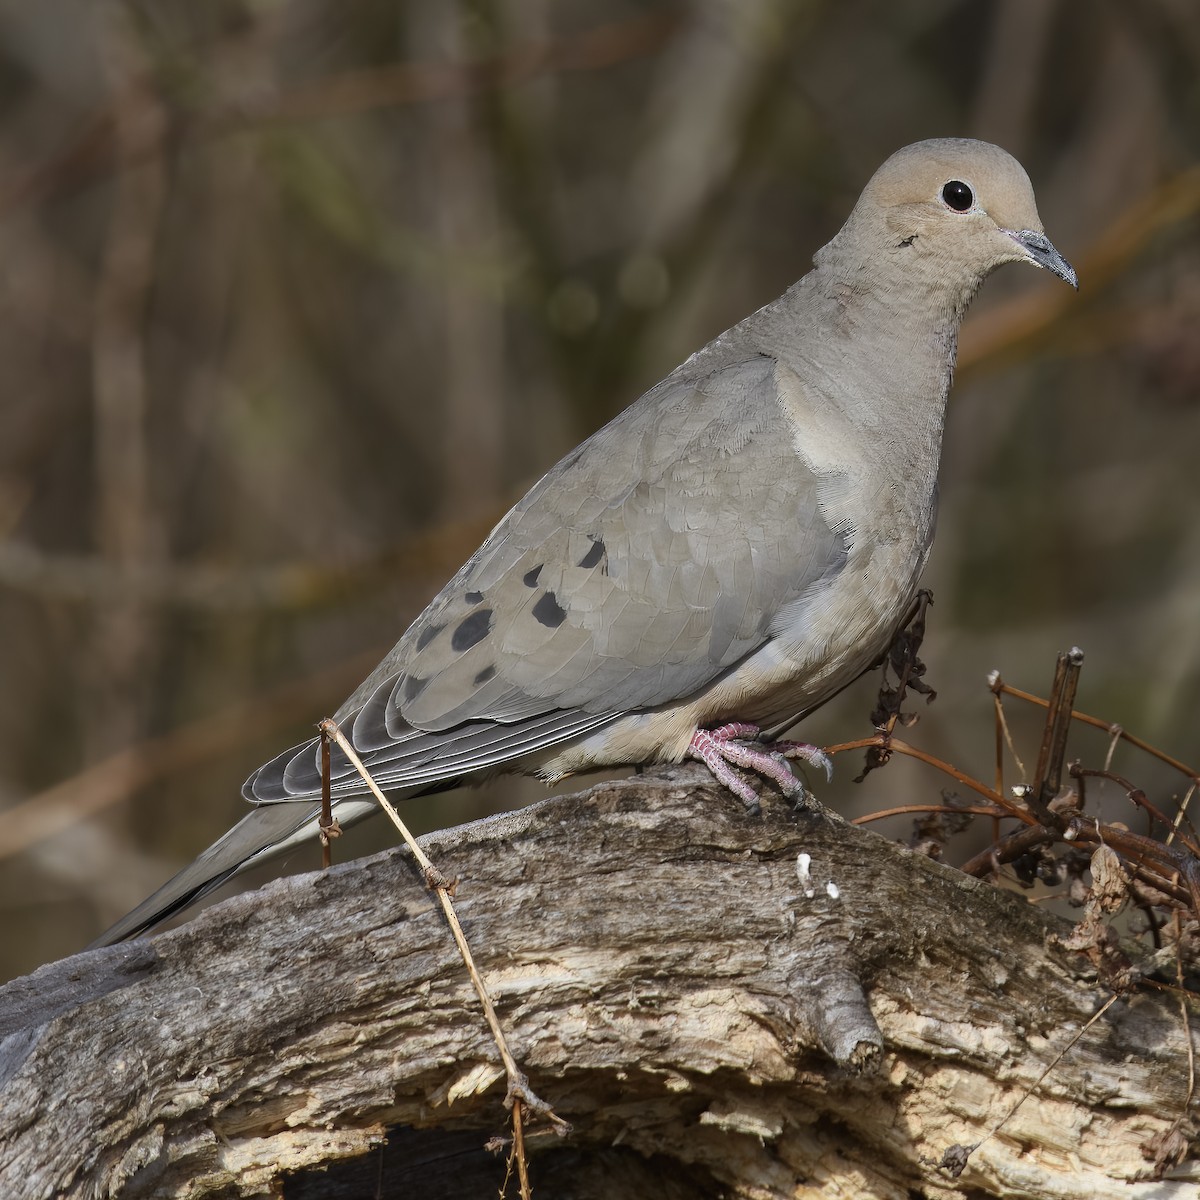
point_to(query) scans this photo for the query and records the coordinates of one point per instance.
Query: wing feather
(641, 568)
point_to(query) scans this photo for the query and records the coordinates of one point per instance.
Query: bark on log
(722, 1005)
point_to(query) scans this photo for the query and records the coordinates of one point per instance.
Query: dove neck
(873, 351)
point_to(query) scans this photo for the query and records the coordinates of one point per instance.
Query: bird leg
(725, 747)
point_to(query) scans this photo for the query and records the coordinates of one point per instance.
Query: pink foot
(725, 747)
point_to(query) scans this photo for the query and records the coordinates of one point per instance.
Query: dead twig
(955, 1158)
(1047, 775)
(903, 658)
(519, 1092)
(997, 684)
(328, 827)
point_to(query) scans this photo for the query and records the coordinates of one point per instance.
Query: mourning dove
(718, 560)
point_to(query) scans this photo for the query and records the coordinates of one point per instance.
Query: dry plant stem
(1148, 860)
(1002, 727)
(1155, 863)
(1002, 688)
(1047, 775)
(518, 1150)
(1137, 797)
(326, 823)
(518, 1085)
(1181, 814)
(903, 810)
(1183, 1015)
(1019, 842)
(1008, 1116)
(1114, 741)
(1002, 735)
(890, 743)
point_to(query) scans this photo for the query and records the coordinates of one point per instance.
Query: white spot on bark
(803, 862)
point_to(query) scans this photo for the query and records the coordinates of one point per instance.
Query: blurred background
(297, 297)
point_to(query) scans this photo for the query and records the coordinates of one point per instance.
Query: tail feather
(268, 830)
(284, 792)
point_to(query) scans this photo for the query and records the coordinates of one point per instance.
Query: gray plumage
(737, 545)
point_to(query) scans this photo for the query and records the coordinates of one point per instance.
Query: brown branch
(903, 810)
(1047, 775)
(969, 781)
(1137, 797)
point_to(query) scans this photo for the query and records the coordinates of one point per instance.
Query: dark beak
(1039, 249)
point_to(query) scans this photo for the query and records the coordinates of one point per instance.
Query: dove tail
(268, 830)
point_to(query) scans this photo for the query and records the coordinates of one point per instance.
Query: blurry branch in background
(420, 564)
(472, 414)
(596, 372)
(687, 250)
(111, 781)
(1011, 76)
(122, 635)
(1011, 329)
(94, 153)
(1032, 322)
(418, 83)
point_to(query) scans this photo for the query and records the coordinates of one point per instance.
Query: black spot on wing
(530, 578)
(593, 556)
(414, 685)
(472, 597)
(484, 675)
(549, 612)
(471, 629)
(428, 634)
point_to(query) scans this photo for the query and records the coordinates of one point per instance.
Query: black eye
(957, 195)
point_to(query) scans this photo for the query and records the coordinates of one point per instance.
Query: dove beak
(1039, 249)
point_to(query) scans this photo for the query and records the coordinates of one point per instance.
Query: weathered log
(720, 1004)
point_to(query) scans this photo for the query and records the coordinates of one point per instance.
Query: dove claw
(814, 756)
(726, 747)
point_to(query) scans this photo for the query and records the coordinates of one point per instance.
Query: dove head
(944, 214)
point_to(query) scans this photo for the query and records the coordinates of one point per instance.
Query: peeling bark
(716, 1014)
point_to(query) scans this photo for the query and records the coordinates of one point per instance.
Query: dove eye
(957, 195)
